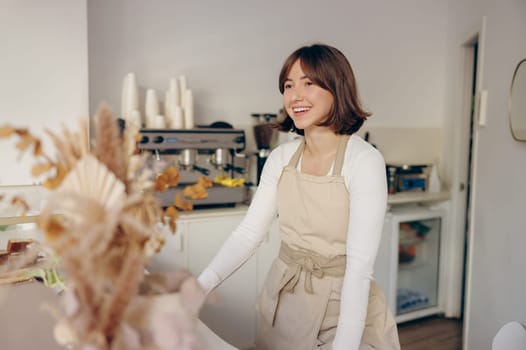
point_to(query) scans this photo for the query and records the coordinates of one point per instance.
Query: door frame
(462, 144)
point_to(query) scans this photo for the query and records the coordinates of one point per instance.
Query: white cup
(159, 122)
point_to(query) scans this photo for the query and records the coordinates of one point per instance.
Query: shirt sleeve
(367, 186)
(245, 239)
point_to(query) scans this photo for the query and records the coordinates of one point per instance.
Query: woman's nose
(297, 94)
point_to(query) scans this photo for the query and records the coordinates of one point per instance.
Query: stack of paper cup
(173, 111)
(130, 99)
(151, 108)
(182, 88)
(135, 119)
(188, 109)
(178, 105)
(159, 122)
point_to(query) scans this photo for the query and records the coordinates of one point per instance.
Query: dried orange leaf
(181, 204)
(172, 176)
(173, 225)
(161, 182)
(171, 212)
(37, 150)
(178, 200)
(22, 132)
(187, 206)
(41, 168)
(6, 131)
(52, 227)
(21, 203)
(196, 191)
(54, 182)
(25, 142)
(205, 181)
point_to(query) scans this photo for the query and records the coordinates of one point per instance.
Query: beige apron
(300, 301)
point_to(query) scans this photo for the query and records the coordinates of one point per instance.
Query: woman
(329, 190)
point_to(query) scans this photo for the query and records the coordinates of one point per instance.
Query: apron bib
(300, 301)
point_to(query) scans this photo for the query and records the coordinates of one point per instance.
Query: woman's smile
(300, 111)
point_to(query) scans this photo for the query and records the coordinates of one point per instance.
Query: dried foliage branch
(102, 219)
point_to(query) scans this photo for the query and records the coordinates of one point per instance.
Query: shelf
(15, 220)
(408, 241)
(413, 265)
(417, 197)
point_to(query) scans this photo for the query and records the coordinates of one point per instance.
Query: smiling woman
(329, 193)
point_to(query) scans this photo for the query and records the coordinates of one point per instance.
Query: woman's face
(306, 102)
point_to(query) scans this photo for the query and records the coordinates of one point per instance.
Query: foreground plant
(101, 218)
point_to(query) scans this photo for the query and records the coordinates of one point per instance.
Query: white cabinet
(173, 254)
(200, 234)
(409, 267)
(232, 315)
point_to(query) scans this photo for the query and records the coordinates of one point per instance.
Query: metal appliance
(406, 177)
(265, 136)
(198, 152)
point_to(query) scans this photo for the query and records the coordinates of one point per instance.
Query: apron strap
(296, 157)
(340, 153)
(338, 161)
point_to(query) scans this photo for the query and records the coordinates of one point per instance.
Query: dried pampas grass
(102, 220)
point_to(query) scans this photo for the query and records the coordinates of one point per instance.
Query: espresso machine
(202, 151)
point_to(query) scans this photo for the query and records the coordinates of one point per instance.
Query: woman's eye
(309, 83)
(287, 86)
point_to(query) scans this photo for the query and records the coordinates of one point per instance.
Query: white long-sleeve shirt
(365, 179)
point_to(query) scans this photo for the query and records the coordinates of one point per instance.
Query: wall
(43, 72)
(231, 52)
(497, 280)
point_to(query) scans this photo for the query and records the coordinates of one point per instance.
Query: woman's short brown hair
(328, 68)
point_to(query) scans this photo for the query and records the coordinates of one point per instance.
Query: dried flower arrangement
(102, 219)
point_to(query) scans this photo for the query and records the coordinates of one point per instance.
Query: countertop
(392, 199)
(417, 197)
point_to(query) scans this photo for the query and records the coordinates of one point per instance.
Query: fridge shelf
(408, 241)
(408, 300)
(413, 265)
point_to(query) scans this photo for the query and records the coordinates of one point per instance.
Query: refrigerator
(408, 265)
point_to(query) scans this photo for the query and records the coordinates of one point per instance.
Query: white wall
(43, 72)
(498, 281)
(232, 51)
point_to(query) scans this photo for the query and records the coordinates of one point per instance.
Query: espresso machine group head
(198, 152)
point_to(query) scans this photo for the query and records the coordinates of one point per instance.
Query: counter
(392, 199)
(417, 197)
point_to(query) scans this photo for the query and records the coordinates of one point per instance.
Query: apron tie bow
(311, 264)
(292, 276)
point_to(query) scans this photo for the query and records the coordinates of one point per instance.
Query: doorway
(465, 185)
(468, 144)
